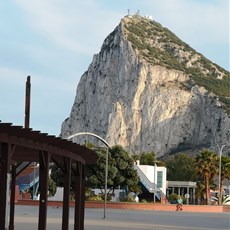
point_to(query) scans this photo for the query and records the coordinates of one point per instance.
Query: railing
(150, 186)
(22, 166)
(27, 181)
(144, 180)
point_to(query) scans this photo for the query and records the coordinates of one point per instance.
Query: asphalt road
(26, 218)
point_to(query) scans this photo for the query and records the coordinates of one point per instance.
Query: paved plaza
(26, 218)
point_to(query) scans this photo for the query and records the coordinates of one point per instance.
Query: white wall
(116, 193)
(148, 170)
(58, 196)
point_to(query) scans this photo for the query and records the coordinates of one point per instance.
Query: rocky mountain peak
(158, 45)
(149, 91)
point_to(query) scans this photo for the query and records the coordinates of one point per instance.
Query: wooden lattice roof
(27, 144)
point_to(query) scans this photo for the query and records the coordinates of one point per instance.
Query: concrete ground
(26, 218)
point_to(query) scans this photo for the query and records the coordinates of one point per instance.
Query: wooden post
(66, 195)
(78, 202)
(82, 198)
(12, 197)
(27, 103)
(4, 182)
(44, 159)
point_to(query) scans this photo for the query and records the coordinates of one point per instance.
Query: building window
(159, 179)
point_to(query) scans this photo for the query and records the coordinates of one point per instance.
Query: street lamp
(219, 180)
(106, 161)
(106, 180)
(155, 181)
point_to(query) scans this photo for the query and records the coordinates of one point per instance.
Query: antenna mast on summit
(128, 12)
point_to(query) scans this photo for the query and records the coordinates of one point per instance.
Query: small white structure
(156, 175)
(150, 17)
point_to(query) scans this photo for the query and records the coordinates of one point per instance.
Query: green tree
(206, 166)
(96, 172)
(181, 168)
(148, 158)
(225, 173)
(57, 175)
(120, 171)
(200, 191)
(126, 175)
(52, 188)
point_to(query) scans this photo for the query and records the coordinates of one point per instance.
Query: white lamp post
(106, 161)
(155, 181)
(219, 180)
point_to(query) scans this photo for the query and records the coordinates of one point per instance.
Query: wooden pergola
(17, 145)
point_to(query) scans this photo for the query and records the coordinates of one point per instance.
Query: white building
(156, 175)
(153, 179)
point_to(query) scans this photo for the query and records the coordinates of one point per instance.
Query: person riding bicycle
(179, 204)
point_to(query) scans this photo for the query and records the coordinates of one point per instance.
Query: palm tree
(225, 173)
(207, 166)
(200, 191)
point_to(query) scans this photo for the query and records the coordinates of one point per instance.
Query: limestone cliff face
(136, 102)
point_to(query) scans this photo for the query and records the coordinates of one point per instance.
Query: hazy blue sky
(54, 42)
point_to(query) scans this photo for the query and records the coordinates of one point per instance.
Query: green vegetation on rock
(159, 46)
